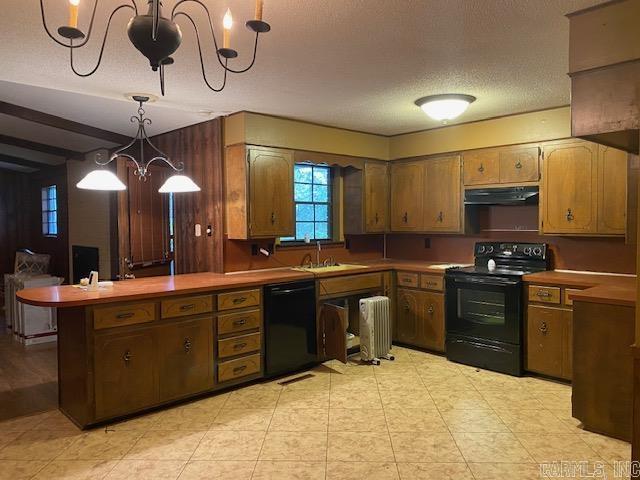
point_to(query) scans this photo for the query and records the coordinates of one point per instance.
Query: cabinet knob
(239, 300)
(543, 327)
(543, 294)
(127, 357)
(440, 217)
(376, 217)
(187, 345)
(481, 168)
(405, 217)
(239, 346)
(518, 165)
(569, 215)
(273, 218)
(239, 323)
(406, 307)
(431, 309)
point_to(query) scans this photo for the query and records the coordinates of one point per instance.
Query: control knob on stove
(490, 249)
(527, 251)
(481, 249)
(537, 251)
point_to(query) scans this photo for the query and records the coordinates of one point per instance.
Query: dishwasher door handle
(292, 290)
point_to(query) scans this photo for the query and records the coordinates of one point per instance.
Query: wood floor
(28, 377)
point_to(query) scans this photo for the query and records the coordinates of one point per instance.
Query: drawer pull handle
(406, 307)
(127, 357)
(405, 217)
(376, 217)
(430, 309)
(239, 323)
(239, 346)
(440, 217)
(187, 307)
(569, 215)
(543, 294)
(122, 316)
(239, 369)
(543, 328)
(481, 168)
(187, 345)
(518, 165)
(238, 300)
(273, 218)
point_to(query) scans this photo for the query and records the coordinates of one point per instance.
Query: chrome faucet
(318, 253)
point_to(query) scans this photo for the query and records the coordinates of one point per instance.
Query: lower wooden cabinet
(549, 341)
(184, 357)
(124, 372)
(420, 318)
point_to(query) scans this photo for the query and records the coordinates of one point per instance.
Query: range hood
(501, 196)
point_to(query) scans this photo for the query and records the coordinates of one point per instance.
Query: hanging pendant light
(103, 179)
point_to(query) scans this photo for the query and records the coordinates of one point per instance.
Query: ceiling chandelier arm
(174, 14)
(86, 39)
(178, 167)
(204, 74)
(104, 42)
(155, 14)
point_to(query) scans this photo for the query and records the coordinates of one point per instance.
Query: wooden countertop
(596, 288)
(68, 296)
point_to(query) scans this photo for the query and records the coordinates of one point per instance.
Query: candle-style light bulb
(73, 13)
(259, 7)
(227, 23)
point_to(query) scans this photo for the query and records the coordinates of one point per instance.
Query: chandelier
(158, 37)
(104, 179)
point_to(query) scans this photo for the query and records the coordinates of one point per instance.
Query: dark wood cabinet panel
(333, 327)
(407, 186)
(124, 373)
(520, 165)
(546, 340)
(442, 196)
(432, 321)
(376, 197)
(407, 316)
(185, 358)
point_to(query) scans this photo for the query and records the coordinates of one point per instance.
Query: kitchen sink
(330, 268)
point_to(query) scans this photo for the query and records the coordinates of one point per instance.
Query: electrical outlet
(427, 243)
(254, 249)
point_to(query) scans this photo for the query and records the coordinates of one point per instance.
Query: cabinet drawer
(431, 282)
(245, 298)
(351, 283)
(121, 315)
(181, 307)
(568, 291)
(234, 346)
(481, 167)
(238, 322)
(519, 165)
(539, 293)
(406, 279)
(238, 368)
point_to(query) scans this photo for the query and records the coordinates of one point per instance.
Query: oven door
(484, 307)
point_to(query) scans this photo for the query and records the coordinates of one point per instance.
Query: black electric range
(484, 311)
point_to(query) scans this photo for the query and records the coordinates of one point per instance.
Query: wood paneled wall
(200, 148)
(15, 228)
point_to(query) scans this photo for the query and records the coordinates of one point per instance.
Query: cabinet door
(406, 196)
(407, 316)
(612, 191)
(271, 193)
(185, 358)
(442, 194)
(519, 165)
(334, 322)
(545, 340)
(481, 167)
(432, 321)
(567, 359)
(376, 197)
(569, 194)
(124, 373)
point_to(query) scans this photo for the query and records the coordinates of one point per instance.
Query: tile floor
(420, 417)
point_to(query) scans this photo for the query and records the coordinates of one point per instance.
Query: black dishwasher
(290, 327)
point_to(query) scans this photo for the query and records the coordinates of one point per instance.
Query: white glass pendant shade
(101, 179)
(445, 107)
(179, 184)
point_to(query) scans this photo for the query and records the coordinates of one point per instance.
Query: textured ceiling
(357, 64)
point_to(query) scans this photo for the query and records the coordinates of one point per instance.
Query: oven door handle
(489, 281)
(483, 346)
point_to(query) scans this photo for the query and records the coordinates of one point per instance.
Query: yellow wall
(259, 129)
(523, 128)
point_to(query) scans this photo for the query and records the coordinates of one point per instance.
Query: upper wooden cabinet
(376, 197)
(407, 190)
(584, 189)
(442, 212)
(612, 198)
(259, 191)
(493, 166)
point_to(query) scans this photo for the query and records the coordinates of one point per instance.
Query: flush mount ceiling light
(445, 107)
(158, 37)
(103, 179)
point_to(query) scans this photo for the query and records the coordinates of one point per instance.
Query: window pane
(45, 217)
(320, 193)
(304, 212)
(322, 213)
(322, 230)
(304, 228)
(303, 192)
(321, 175)
(302, 173)
(52, 204)
(44, 194)
(53, 229)
(45, 204)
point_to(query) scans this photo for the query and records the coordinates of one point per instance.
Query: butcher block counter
(597, 316)
(149, 342)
